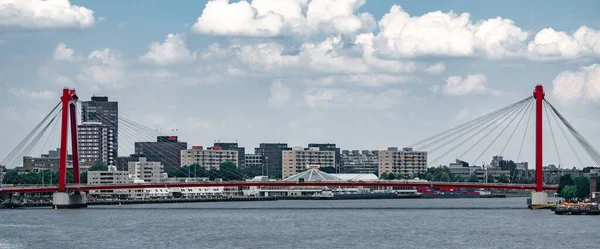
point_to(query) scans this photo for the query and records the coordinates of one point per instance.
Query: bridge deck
(81, 187)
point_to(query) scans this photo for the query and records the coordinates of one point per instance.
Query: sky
(361, 74)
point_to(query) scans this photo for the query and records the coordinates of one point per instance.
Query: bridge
(72, 195)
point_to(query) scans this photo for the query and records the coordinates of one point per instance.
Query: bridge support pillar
(63, 200)
(539, 198)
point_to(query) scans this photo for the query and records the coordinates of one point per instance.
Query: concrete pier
(62, 200)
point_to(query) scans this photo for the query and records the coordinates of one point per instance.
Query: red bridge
(537, 101)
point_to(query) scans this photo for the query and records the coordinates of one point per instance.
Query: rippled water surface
(410, 223)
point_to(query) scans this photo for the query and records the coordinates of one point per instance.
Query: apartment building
(404, 161)
(295, 161)
(210, 158)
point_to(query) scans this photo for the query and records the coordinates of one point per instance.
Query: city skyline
(306, 79)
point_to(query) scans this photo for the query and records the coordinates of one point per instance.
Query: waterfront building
(405, 161)
(271, 156)
(295, 161)
(522, 166)
(210, 158)
(146, 171)
(328, 147)
(495, 164)
(365, 161)
(122, 162)
(99, 109)
(45, 162)
(234, 146)
(253, 160)
(166, 150)
(95, 143)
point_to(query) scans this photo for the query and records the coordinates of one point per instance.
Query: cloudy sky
(364, 75)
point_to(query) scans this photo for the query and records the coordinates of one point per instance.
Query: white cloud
(361, 79)
(436, 69)
(63, 53)
(434, 88)
(280, 94)
(324, 58)
(551, 44)
(106, 68)
(22, 93)
(44, 14)
(583, 84)
(272, 18)
(346, 99)
(472, 84)
(172, 51)
(447, 34)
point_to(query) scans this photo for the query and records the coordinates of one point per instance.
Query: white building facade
(95, 143)
(405, 161)
(209, 158)
(295, 161)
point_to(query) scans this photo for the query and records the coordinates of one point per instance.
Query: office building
(210, 158)
(405, 161)
(271, 155)
(166, 150)
(329, 147)
(366, 161)
(253, 160)
(45, 162)
(234, 146)
(95, 143)
(296, 160)
(143, 170)
(99, 109)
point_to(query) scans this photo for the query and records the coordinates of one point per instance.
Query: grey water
(399, 223)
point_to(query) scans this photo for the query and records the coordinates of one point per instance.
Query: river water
(399, 223)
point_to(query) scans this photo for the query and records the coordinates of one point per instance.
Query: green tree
(383, 175)
(444, 177)
(458, 178)
(98, 166)
(400, 175)
(503, 178)
(391, 176)
(565, 180)
(473, 178)
(583, 187)
(490, 178)
(568, 192)
(83, 177)
(429, 176)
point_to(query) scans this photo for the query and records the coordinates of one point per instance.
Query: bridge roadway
(396, 183)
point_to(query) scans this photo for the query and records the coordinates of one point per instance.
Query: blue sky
(346, 74)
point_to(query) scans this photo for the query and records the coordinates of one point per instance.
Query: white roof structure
(356, 177)
(312, 175)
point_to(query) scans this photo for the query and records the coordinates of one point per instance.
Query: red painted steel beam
(538, 94)
(282, 184)
(316, 184)
(74, 143)
(62, 168)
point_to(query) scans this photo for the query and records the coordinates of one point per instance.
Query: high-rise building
(210, 158)
(166, 150)
(329, 147)
(234, 146)
(147, 171)
(95, 143)
(99, 109)
(296, 160)
(271, 155)
(405, 161)
(366, 161)
(495, 164)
